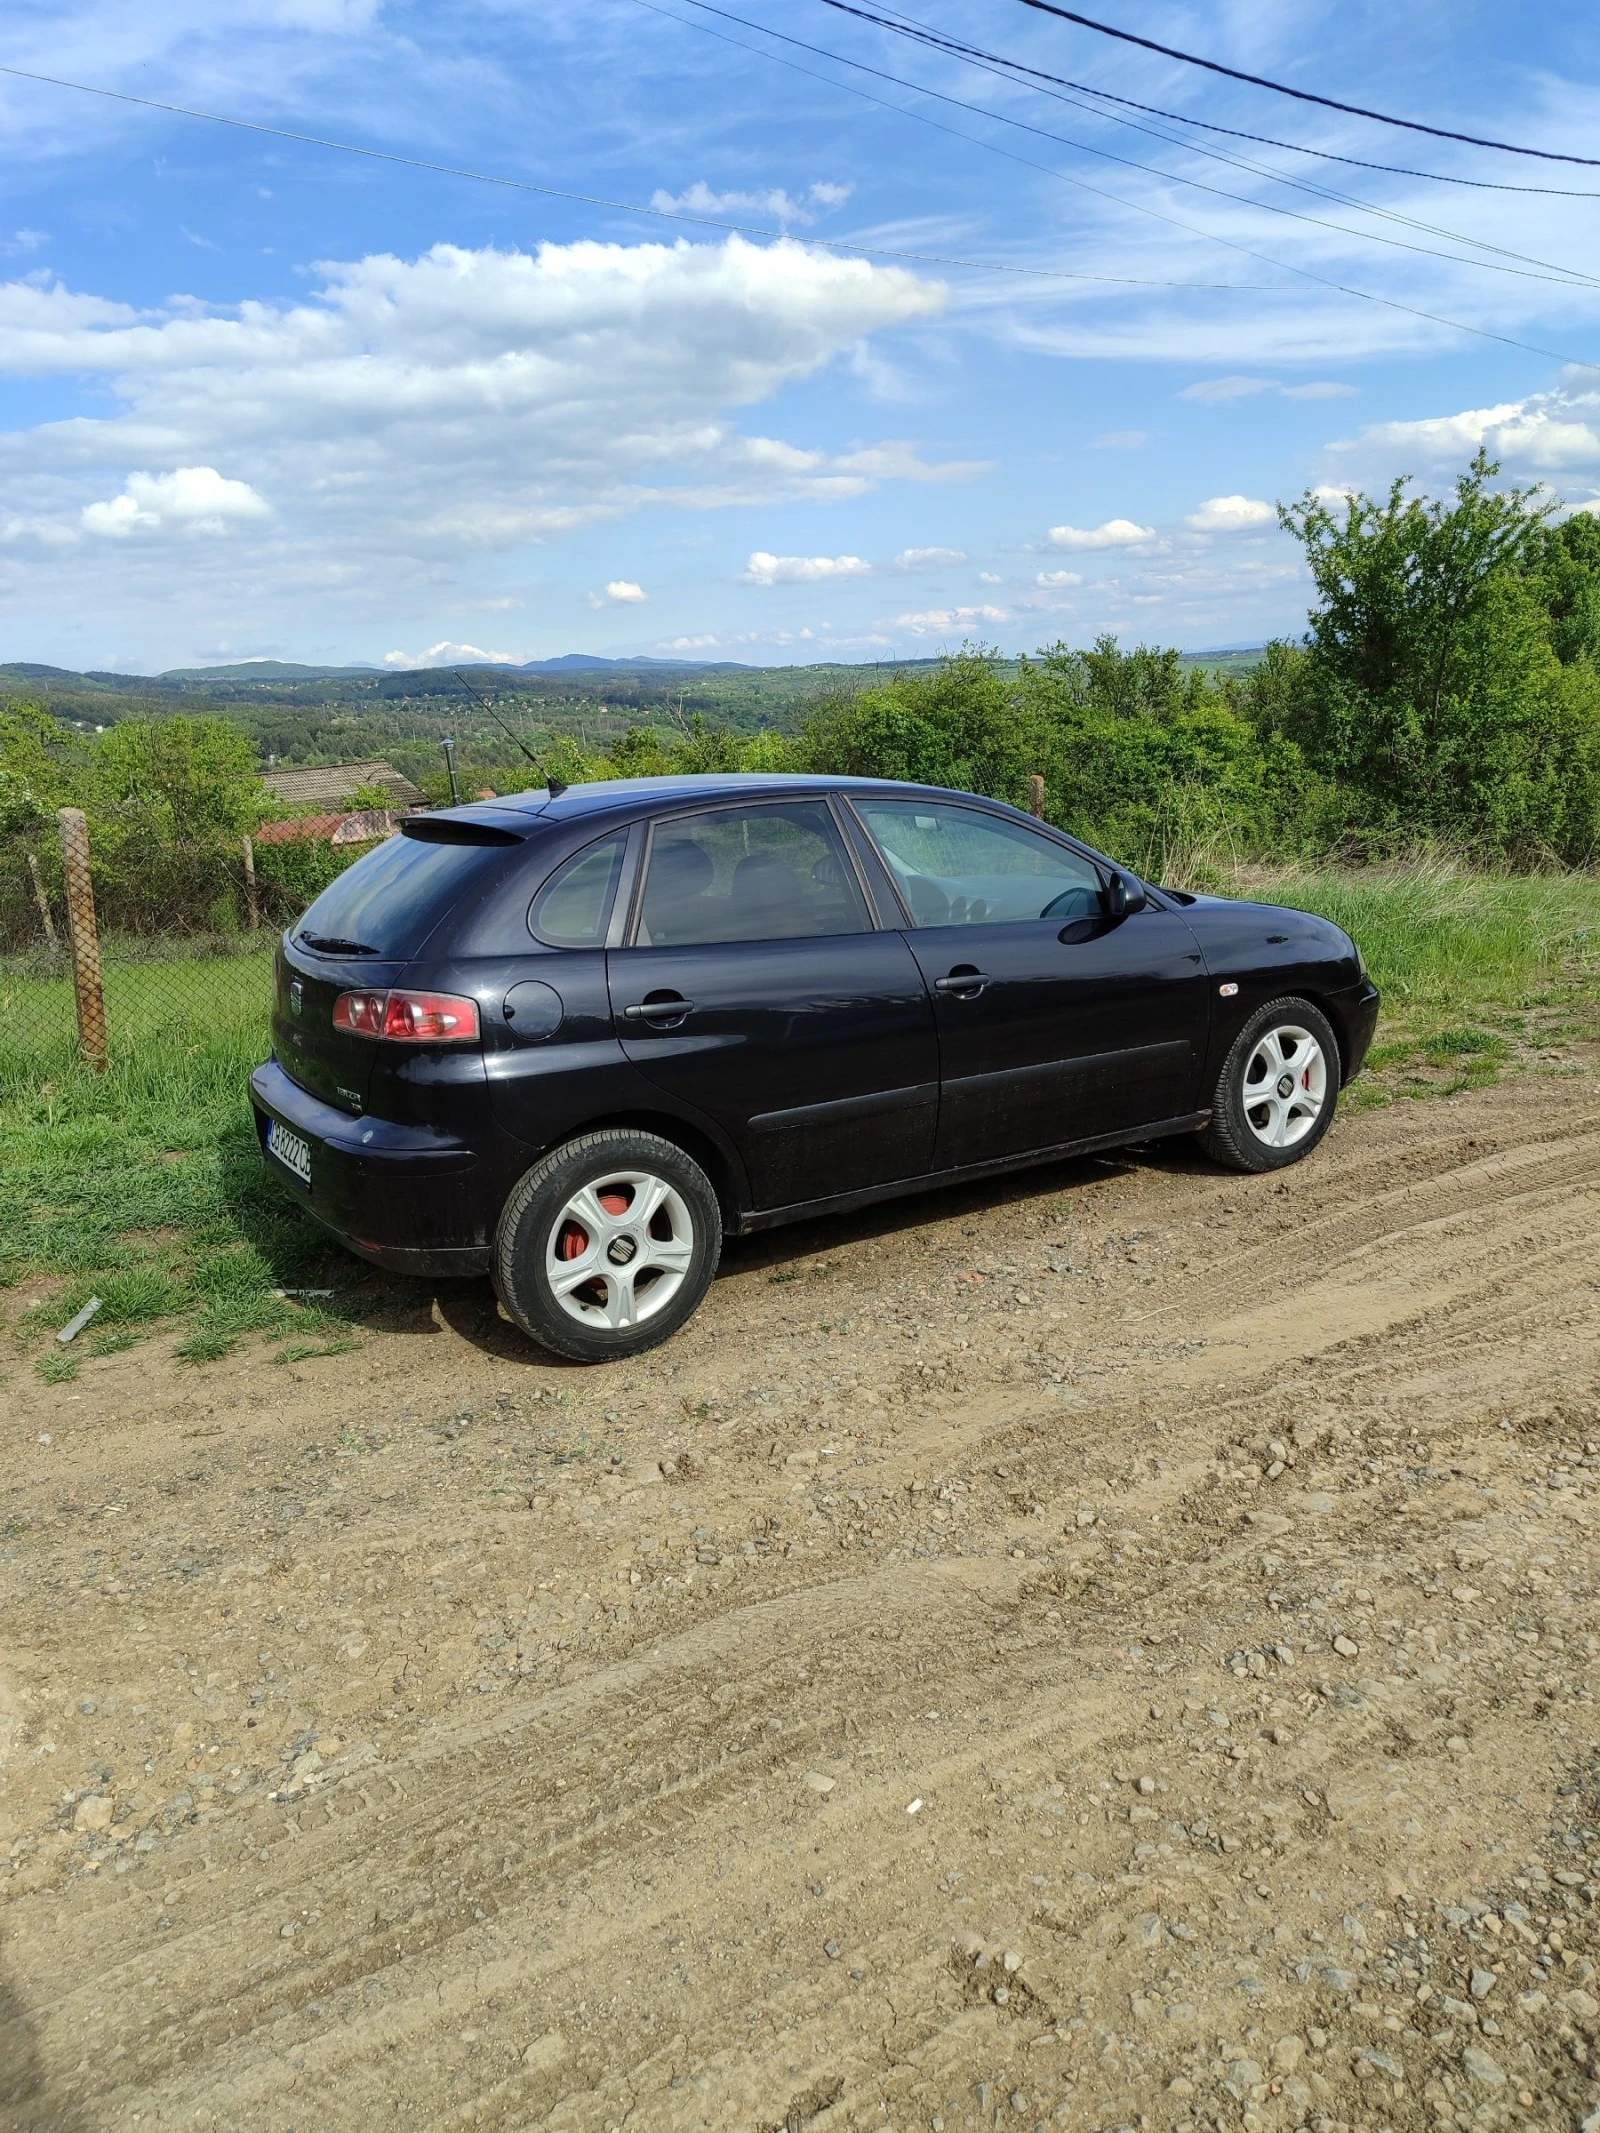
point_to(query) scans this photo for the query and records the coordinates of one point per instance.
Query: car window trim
(746, 805)
(1102, 867)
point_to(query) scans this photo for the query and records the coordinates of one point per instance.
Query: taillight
(408, 1017)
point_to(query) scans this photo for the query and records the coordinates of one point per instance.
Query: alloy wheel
(1285, 1086)
(619, 1250)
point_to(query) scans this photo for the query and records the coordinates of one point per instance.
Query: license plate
(293, 1150)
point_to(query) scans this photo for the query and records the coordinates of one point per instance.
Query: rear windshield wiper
(330, 944)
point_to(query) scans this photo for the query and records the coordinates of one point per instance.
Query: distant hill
(266, 670)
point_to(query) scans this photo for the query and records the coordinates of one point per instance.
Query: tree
(1431, 689)
(177, 781)
(957, 724)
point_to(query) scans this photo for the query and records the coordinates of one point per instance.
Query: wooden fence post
(85, 940)
(252, 892)
(42, 901)
(1036, 795)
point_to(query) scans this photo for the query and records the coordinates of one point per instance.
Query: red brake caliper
(575, 1241)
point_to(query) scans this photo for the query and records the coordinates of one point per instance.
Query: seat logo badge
(297, 998)
(621, 1250)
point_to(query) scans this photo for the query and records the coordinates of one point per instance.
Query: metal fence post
(1036, 795)
(252, 892)
(85, 940)
(42, 901)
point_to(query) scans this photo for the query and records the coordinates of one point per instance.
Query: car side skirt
(841, 1203)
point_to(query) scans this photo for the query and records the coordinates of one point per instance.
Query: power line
(1007, 69)
(1324, 281)
(1304, 96)
(625, 207)
(1181, 118)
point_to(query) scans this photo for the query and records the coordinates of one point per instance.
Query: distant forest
(330, 715)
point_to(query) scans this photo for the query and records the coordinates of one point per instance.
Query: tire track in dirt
(641, 1841)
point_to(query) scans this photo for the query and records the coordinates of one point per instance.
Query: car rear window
(389, 902)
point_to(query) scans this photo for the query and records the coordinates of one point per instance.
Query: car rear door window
(957, 866)
(574, 906)
(768, 873)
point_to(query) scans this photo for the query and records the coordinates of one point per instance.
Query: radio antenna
(557, 786)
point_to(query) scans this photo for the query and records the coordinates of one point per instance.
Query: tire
(575, 1208)
(1256, 1122)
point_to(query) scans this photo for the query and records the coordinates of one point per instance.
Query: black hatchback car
(572, 1039)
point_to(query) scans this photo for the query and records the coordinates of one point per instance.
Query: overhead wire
(1305, 96)
(623, 207)
(1388, 303)
(940, 42)
(1564, 276)
(1006, 70)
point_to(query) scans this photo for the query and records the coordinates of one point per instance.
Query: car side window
(769, 873)
(574, 906)
(956, 866)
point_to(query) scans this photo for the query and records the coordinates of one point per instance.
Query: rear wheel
(607, 1245)
(1277, 1091)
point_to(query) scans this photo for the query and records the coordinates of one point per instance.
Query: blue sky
(263, 399)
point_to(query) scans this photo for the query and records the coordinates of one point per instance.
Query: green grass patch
(57, 1368)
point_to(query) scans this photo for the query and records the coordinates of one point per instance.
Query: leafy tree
(959, 724)
(1569, 570)
(177, 781)
(1431, 690)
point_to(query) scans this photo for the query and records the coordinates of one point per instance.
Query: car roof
(622, 797)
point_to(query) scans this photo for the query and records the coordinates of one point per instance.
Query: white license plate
(293, 1150)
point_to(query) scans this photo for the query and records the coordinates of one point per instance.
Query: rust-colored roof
(366, 826)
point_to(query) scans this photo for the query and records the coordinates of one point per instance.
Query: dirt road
(1119, 1652)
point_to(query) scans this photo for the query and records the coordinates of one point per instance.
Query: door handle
(672, 1010)
(965, 984)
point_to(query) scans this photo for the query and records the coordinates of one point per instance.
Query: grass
(1475, 969)
(145, 1186)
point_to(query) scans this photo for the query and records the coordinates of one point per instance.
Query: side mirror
(1124, 894)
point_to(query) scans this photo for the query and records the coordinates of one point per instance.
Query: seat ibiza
(572, 1039)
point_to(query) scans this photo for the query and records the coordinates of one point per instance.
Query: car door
(758, 989)
(1056, 1023)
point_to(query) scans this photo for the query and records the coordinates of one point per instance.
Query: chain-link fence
(117, 956)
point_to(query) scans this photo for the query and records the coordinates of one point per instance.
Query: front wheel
(608, 1245)
(1277, 1091)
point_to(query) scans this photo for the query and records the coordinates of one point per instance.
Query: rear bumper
(1355, 1015)
(406, 1198)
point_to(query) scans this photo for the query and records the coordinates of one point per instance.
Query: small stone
(830, 1949)
(1018, 2101)
(1012, 1961)
(1217, 1718)
(94, 1812)
(818, 1783)
(1147, 1785)
(1480, 2068)
(1346, 1647)
(1282, 1737)
(1287, 2054)
(1482, 1983)
(88, 1707)
(1456, 1745)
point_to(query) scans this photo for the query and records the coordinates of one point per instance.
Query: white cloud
(776, 202)
(1119, 441)
(990, 577)
(626, 591)
(193, 500)
(1216, 392)
(765, 569)
(946, 618)
(1053, 580)
(411, 413)
(452, 655)
(928, 558)
(1555, 433)
(1232, 514)
(1115, 533)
